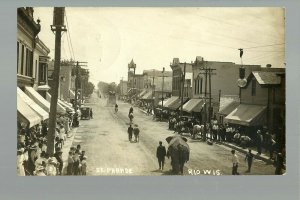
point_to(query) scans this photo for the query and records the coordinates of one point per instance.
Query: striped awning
(193, 105)
(40, 111)
(26, 113)
(175, 105)
(37, 98)
(247, 115)
(147, 96)
(170, 101)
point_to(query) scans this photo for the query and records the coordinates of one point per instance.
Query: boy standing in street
(249, 159)
(235, 163)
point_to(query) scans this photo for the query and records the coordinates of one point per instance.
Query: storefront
(248, 117)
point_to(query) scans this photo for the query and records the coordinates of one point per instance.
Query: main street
(105, 140)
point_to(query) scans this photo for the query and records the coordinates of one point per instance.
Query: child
(83, 166)
(70, 163)
(76, 164)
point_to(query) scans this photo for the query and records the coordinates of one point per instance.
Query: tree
(89, 89)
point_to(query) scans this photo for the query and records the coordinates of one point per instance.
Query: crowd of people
(76, 162)
(32, 156)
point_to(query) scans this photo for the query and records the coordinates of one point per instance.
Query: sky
(108, 38)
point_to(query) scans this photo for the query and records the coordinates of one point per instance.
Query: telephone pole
(153, 89)
(182, 89)
(207, 73)
(122, 87)
(77, 83)
(57, 27)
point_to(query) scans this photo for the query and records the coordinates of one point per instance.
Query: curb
(245, 151)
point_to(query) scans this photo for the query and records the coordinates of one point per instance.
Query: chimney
(268, 65)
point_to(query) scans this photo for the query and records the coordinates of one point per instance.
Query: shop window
(17, 57)
(22, 60)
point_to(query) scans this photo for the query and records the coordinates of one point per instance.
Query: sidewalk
(262, 156)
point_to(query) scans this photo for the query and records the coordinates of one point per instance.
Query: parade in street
(105, 112)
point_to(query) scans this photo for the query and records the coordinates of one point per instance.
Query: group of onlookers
(76, 162)
(32, 156)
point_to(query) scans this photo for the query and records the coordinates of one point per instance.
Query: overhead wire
(269, 45)
(68, 28)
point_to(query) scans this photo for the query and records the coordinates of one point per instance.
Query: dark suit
(160, 154)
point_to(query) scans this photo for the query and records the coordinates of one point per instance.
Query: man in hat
(160, 154)
(259, 140)
(58, 156)
(249, 159)
(136, 132)
(130, 131)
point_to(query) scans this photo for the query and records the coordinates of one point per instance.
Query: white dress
(20, 166)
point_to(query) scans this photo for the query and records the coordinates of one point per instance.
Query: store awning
(71, 94)
(40, 111)
(177, 103)
(247, 115)
(26, 113)
(165, 101)
(37, 98)
(147, 96)
(170, 101)
(65, 105)
(227, 109)
(193, 105)
(143, 93)
(60, 109)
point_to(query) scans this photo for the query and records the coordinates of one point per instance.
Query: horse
(130, 115)
(178, 127)
(197, 129)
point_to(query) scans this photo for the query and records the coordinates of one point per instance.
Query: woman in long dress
(20, 162)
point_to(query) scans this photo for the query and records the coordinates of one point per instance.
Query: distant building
(181, 84)
(130, 79)
(123, 87)
(159, 83)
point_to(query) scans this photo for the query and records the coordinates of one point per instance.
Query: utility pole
(58, 26)
(163, 82)
(122, 87)
(207, 73)
(153, 89)
(77, 83)
(182, 88)
(76, 86)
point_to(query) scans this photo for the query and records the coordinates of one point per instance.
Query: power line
(264, 46)
(69, 47)
(69, 34)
